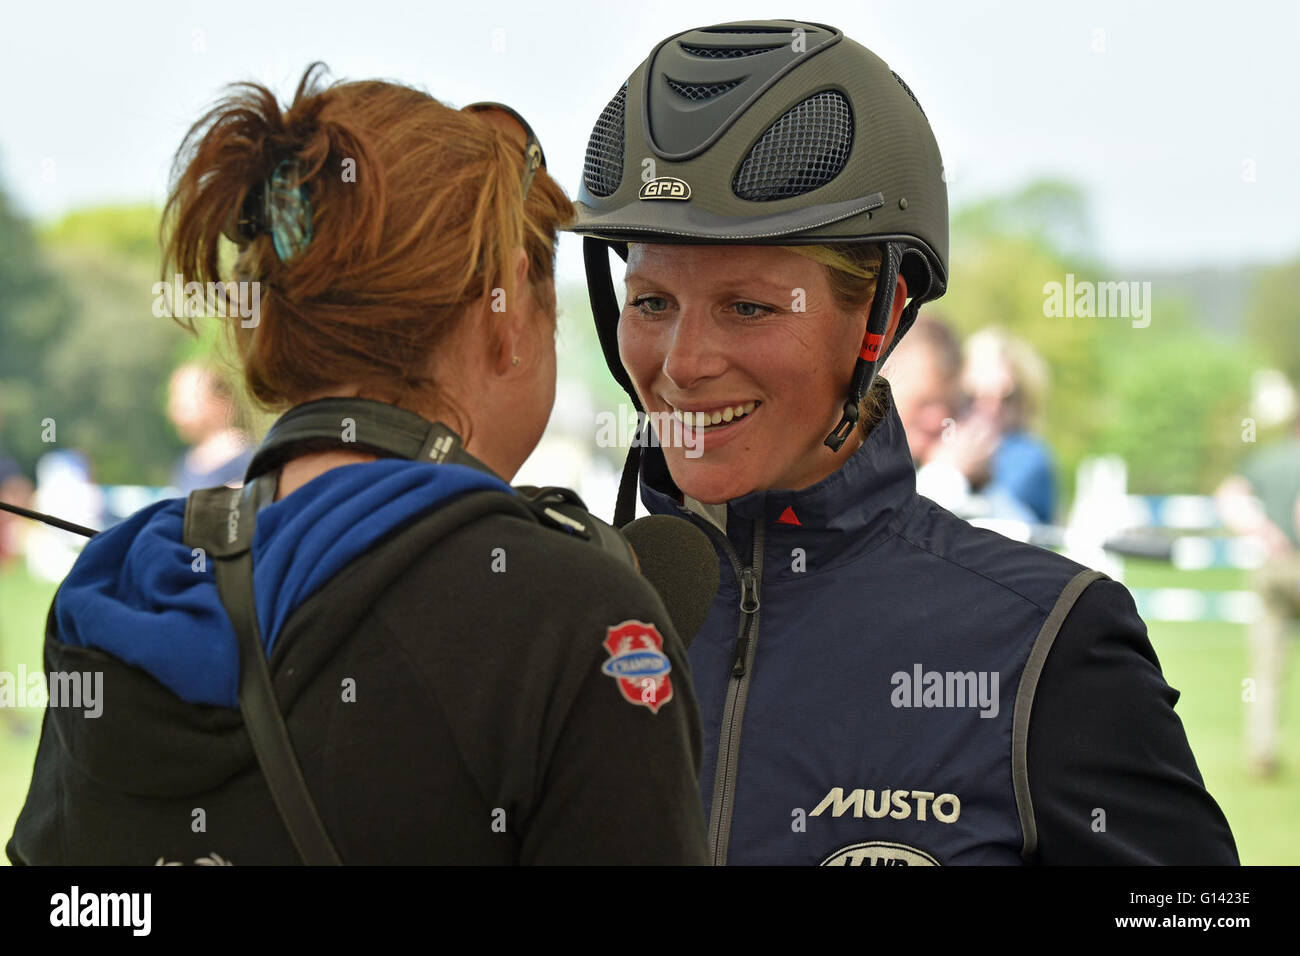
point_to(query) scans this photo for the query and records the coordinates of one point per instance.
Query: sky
(1180, 119)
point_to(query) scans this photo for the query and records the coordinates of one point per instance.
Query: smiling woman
(791, 133)
(752, 348)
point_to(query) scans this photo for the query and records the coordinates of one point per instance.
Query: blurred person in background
(924, 373)
(201, 406)
(966, 418)
(1262, 503)
(15, 489)
(1006, 381)
(65, 486)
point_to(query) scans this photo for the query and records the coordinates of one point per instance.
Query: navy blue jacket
(868, 673)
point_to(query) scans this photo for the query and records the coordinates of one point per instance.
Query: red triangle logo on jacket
(788, 517)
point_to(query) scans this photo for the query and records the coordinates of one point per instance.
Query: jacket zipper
(733, 711)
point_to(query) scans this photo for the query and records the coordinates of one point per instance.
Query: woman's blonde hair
(852, 270)
(1028, 373)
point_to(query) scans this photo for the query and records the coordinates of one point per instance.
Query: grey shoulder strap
(221, 521)
(1025, 702)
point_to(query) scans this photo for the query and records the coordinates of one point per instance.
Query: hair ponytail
(415, 214)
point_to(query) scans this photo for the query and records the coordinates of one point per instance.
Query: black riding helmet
(766, 132)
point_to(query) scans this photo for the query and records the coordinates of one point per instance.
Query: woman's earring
(515, 360)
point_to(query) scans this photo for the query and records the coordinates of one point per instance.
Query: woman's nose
(696, 349)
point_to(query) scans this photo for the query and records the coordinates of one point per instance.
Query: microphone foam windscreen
(679, 561)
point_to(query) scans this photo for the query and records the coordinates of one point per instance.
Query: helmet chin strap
(864, 372)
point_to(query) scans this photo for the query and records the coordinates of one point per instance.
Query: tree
(36, 311)
(82, 346)
(1273, 320)
(1168, 397)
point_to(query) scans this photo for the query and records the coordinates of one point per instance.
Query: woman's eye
(650, 304)
(750, 310)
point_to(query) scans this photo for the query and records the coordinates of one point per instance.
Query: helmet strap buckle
(848, 422)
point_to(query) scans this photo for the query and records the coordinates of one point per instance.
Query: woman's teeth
(715, 417)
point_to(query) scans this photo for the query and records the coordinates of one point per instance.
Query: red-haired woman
(441, 657)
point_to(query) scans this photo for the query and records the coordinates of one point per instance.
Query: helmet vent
(698, 92)
(805, 149)
(908, 90)
(603, 169)
(724, 52)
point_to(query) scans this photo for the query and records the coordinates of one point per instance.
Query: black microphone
(679, 561)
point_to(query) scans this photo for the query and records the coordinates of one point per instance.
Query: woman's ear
(508, 321)
(900, 303)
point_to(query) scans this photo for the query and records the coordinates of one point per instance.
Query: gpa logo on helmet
(638, 664)
(879, 853)
(666, 187)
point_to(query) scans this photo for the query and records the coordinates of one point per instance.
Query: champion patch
(638, 664)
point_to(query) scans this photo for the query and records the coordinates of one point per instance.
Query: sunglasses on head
(507, 120)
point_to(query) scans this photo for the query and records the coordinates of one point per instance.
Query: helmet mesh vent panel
(695, 92)
(804, 149)
(723, 52)
(603, 169)
(907, 89)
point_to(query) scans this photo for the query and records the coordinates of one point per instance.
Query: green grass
(1205, 661)
(23, 605)
(1161, 574)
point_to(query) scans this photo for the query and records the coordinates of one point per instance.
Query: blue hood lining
(138, 593)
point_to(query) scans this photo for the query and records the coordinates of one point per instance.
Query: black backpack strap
(563, 510)
(364, 424)
(359, 424)
(222, 521)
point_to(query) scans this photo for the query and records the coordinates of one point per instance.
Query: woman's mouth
(714, 417)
